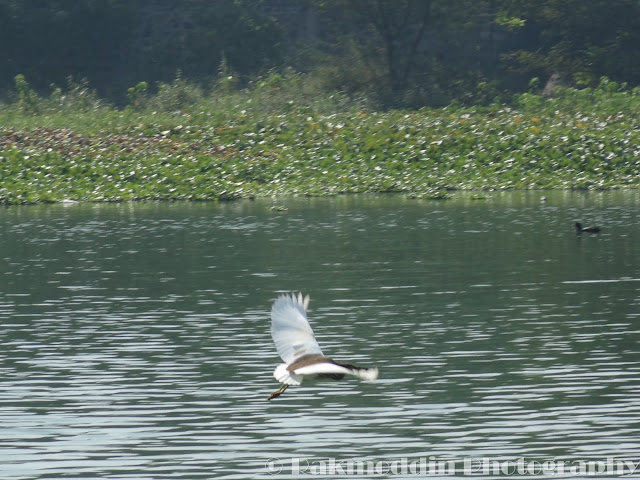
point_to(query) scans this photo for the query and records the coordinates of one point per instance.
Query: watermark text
(472, 467)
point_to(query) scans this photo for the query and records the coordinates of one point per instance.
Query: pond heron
(298, 348)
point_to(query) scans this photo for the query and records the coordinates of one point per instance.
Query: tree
(401, 25)
(394, 27)
(580, 40)
(47, 41)
(426, 48)
(115, 44)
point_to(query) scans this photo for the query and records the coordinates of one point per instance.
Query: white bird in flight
(298, 348)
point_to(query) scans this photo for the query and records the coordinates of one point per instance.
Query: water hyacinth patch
(247, 150)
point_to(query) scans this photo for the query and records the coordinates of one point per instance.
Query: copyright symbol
(273, 466)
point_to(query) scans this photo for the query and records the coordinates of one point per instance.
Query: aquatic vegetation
(245, 146)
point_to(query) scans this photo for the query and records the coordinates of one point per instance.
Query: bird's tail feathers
(285, 376)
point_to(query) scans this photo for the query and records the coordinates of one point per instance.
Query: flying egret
(298, 348)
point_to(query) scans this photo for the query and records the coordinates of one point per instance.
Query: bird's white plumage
(285, 376)
(329, 368)
(369, 374)
(322, 368)
(298, 348)
(290, 328)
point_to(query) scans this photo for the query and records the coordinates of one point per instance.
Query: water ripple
(135, 339)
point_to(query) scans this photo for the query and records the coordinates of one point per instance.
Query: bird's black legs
(278, 392)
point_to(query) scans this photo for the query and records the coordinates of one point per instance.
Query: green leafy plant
(178, 95)
(28, 100)
(266, 141)
(137, 95)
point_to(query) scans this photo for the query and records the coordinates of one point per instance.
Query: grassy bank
(271, 140)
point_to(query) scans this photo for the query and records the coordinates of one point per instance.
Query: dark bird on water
(592, 229)
(298, 348)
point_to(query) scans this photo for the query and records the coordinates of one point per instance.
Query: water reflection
(135, 338)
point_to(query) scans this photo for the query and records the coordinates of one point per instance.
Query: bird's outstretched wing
(290, 328)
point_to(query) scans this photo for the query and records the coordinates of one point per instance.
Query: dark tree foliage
(48, 41)
(401, 26)
(405, 52)
(117, 43)
(580, 40)
(429, 51)
(194, 36)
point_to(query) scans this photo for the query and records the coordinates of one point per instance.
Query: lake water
(134, 338)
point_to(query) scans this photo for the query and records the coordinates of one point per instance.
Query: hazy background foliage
(398, 53)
